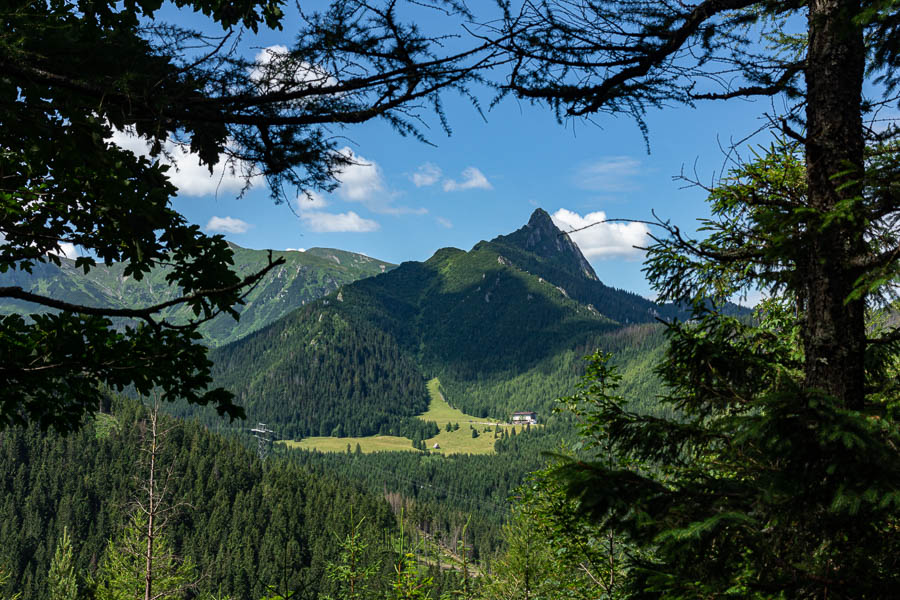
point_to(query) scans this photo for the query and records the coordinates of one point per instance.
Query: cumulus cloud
(425, 175)
(187, 174)
(445, 222)
(66, 249)
(362, 182)
(227, 225)
(295, 249)
(324, 222)
(609, 174)
(311, 200)
(602, 240)
(266, 61)
(472, 179)
(130, 141)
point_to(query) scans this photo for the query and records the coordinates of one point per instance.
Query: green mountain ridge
(304, 277)
(504, 325)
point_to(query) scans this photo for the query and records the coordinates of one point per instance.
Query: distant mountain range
(304, 277)
(337, 343)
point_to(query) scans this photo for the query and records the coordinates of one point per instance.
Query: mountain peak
(540, 219)
(542, 237)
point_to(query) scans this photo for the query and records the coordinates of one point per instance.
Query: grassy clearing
(462, 442)
(459, 441)
(375, 443)
(440, 411)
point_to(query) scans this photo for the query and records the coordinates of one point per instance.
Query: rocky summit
(542, 237)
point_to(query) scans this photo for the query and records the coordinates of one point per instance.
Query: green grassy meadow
(372, 443)
(459, 441)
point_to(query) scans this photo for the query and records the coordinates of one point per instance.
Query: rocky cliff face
(546, 239)
(542, 237)
(540, 248)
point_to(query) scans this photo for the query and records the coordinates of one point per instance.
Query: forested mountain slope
(304, 277)
(496, 324)
(244, 524)
(439, 494)
(318, 372)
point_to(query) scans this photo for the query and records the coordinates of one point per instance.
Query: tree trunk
(152, 503)
(834, 333)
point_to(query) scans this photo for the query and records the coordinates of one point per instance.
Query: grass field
(439, 411)
(459, 441)
(373, 443)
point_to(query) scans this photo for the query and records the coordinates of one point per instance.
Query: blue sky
(407, 199)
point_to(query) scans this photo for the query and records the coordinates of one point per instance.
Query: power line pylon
(264, 441)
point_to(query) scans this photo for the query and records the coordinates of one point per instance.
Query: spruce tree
(758, 485)
(551, 552)
(141, 563)
(352, 573)
(122, 572)
(4, 581)
(408, 583)
(778, 474)
(61, 580)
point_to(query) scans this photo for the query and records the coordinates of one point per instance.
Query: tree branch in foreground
(145, 313)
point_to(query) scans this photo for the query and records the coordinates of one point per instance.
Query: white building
(524, 418)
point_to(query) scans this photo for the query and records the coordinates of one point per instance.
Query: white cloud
(187, 174)
(266, 60)
(425, 175)
(193, 179)
(311, 200)
(472, 179)
(602, 240)
(362, 182)
(227, 225)
(609, 174)
(445, 222)
(295, 249)
(66, 249)
(324, 222)
(130, 141)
